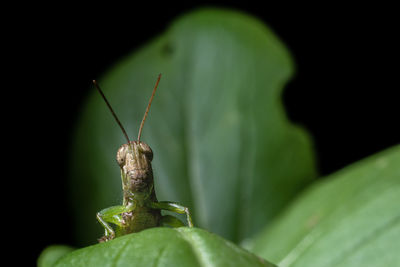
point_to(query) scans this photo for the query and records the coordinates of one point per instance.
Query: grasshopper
(140, 209)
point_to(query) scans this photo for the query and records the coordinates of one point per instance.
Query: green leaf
(51, 254)
(164, 247)
(350, 219)
(222, 142)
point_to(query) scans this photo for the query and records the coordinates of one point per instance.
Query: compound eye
(149, 155)
(121, 154)
(145, 149)
(120, 161)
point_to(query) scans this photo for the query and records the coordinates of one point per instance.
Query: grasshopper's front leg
(112, 215)
(172, 206)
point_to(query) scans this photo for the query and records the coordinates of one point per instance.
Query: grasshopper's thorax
(134, 160)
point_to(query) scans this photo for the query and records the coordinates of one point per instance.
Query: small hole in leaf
(167, 50)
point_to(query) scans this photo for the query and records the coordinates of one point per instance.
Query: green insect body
(140, 208)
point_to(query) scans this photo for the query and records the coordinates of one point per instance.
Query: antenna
(148, 107)
(112, 111)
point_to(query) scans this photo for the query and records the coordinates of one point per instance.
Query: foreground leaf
(350, 219)
(164, 247)
(221, 140)
(51, 254)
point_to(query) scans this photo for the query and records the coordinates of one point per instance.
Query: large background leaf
(350, 219)
(221, 140)
(164, 247)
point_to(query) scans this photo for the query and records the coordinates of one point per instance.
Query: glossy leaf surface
(164, 247)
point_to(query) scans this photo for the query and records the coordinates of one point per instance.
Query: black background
(344, 91)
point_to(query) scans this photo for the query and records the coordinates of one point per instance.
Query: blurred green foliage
(221, 140)
(352, 218)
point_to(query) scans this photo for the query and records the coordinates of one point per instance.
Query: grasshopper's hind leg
(175, 207)
(171, 221)
(112, 215)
